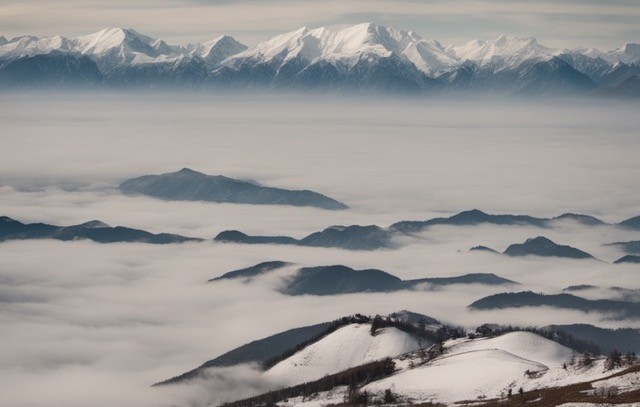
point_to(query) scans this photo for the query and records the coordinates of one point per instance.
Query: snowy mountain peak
(110, 38)
(3, 40)
(215, 51)
(511, 51)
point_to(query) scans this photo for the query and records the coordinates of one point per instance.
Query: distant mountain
(364, 57)
(344, 237)
(631, 247)
(541, 246)
(339, 279)
(614, 293)
(628, 87)
(476, 217)
(331, 280)
(622, 339)
(189, 185)
(253, 271)
(96, 231)
(622, 309)
(483, 249)
(373, 237)
(628, 259)
(55, 69)
(631, 223)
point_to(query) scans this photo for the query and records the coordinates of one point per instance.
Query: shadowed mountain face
(96, 231)
(623, 339)
(330, 280)
(631, 247)
(338, 279)
(477, 217)
(631, 223)
(189, 185)
(541, 246)
(622, 309)
(253, 271)
(345, 237)
(628, 259)
(483, 249)
(373, 237)
(50, 70)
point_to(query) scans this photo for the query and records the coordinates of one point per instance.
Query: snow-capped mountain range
(365, 56)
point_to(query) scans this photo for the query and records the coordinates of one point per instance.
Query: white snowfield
(347, 347)
(488, 368)
(344, 48)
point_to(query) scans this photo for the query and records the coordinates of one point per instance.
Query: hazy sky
(570, 23)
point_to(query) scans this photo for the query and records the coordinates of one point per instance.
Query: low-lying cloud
(97, 324)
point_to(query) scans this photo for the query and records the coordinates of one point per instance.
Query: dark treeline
(561, 337)
(354, 377)
(419, 329)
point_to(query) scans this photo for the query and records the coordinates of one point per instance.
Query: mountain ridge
(365, 56)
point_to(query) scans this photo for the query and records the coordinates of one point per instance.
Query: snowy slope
(490, 367)
(347, 347)
(346, 47)
(506, 52)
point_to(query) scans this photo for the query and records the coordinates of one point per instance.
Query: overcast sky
(570, 23)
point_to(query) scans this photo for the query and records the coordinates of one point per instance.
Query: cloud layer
(91, 324)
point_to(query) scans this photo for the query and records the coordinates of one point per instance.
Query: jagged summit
(365, 56)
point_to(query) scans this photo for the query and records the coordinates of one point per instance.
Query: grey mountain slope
(189, 185)
(541, 246)
(55, 69)
(483, 249)
(345, 237)
(622, 339)
(630, 247)
(631, 223)
(339, 279)
(477, 217)
(253, 271)
(96, 231)
(330, 280)
(373, 237)
(628, 87)
(628, 259)
(618, 309)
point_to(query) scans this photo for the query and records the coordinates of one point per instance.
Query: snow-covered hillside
(489, 368)
(349, 346)
(482, 369)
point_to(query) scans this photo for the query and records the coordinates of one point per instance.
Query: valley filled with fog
(97, 324)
